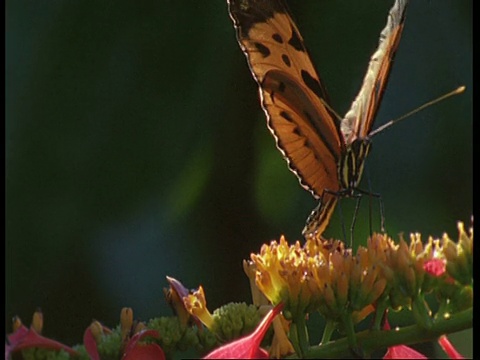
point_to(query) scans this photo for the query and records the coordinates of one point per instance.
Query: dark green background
(136, 147)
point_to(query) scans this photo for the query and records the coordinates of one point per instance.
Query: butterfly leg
(370, 211)
(382, 208)
(342, 221)
(382, 215)
(354, 219)
(382, 212)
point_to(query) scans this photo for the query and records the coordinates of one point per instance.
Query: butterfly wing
(292, 94)
(358, 121)
(319, 219)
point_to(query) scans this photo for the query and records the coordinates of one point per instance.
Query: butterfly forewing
(358, 121)
(271, 40)
(305, 131)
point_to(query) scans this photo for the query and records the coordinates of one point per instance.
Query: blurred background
(136, 148)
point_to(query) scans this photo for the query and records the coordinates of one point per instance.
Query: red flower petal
(18, 335)
(248, 347)
(145, 352)
(89, 340)
(403, 352)
(26, 339)
(90, 344)
(136, 350)
(435, 267)
(449, 348)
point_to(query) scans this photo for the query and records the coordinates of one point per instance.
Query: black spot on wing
(278, 38)
(286, 116)
(308, 116)
(247, 13)
(286, 60)
(265, 51)
(313, 84)
(296, 42)
(297, 132)
(310, 145)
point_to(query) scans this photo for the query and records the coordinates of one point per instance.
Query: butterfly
(325, 153)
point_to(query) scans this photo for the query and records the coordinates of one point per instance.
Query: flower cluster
(323, 276)
(319, 276)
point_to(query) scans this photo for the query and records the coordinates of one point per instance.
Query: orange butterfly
(327, 155)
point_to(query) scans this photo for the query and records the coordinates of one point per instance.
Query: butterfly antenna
(459, 90)
(370, 211)
(339, 118)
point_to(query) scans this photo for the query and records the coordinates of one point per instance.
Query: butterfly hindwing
(310, 148)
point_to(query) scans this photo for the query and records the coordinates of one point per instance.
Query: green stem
(349, 330)
(302, 334)
(328, 331)
(421, 312)
(379, 312)
(299, 336)
(293, 336)
(372, 340)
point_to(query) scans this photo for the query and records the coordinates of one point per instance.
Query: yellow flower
(280, 273)
(196, 304)
(460, 256)
(321, 275)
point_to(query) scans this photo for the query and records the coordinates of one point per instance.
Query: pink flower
(405, 352)
(401, 351)
(248, 347)
(24, 338)
(90, 337)
(435, 267)
(448, 348)
(134, 348)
